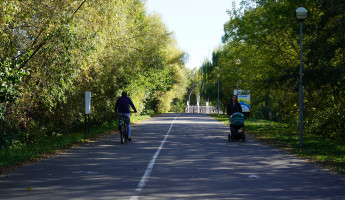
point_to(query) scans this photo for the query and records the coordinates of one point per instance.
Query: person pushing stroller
(234, 106)
(236, 117)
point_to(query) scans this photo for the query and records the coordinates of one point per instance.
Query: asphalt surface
(173, 156)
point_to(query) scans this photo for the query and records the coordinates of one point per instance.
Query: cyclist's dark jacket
(123, 103)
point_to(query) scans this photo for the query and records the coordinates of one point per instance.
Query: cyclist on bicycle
(122, 108)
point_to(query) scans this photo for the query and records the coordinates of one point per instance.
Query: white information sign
(87, 102)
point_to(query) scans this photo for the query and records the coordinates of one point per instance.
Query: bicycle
(123, 129)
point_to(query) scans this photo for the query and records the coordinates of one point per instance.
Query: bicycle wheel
(125, 131)
(121, 134)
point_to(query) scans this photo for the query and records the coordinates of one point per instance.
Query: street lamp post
(218, 93)
(238, 62)
(301, 14)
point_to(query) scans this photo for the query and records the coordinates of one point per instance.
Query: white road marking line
(149, 168)
(84, 172)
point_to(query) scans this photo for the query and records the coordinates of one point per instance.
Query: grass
(19, 154)
(325, 152)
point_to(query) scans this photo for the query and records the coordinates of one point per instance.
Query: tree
(54, 51)
(265, 36)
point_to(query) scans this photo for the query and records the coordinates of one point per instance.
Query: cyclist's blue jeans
(128, 121)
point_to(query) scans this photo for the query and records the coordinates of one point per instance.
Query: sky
(198, 25)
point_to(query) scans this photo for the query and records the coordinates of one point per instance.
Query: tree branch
(75, 12)
(32, 55)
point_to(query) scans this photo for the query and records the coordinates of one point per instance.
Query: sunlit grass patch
(323, 151)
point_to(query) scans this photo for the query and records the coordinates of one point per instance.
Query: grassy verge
(324, 152)
(19, 154)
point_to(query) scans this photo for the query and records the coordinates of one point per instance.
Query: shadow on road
(196, 162)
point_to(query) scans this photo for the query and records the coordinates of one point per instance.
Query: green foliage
(11, 77)
(54, 51)
(264, 35)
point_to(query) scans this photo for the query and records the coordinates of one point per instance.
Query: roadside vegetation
(323, 151)
(52, 52)
(264, 36)
(20, 153)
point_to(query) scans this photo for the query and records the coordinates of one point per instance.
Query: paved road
(173, 156)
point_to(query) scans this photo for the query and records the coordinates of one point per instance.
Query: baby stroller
(237, 127)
